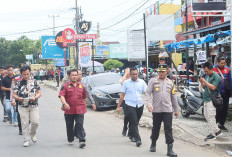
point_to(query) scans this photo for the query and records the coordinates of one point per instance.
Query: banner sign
(160, 27)
(85, 26)
(136, 45)
(201, 57)
(102, 51)
(119, 51)
(208, 5)
(29, 57)
(72, 56)
(50, 50)
(84, 53)
(85, 36)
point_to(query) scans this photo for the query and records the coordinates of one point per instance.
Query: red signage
(68, 35)
(85, 36)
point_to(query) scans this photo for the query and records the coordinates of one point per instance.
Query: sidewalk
(193, 129)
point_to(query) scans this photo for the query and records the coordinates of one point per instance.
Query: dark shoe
(153, 147)
(82, 144)
(133, 139)
(138, 143)
(20, 132)
(222, 127)
(170, 151)
(219, 133)
(5, 120)
(210, 137)
(124, 132)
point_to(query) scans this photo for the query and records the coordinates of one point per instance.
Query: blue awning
(207, 39)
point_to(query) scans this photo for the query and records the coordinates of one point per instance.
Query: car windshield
(103, 80)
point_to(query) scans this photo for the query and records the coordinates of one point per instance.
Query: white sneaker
(26, 143)
(34, 139)
(71, 143)
(15, 124)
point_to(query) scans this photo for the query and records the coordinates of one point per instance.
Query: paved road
(103, 137)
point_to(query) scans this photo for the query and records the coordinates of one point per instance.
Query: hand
(127, 71)
(202, 80)
(32, 99)
(62, 108)
(150, 108)
(94, 107)
(118, 109)
(13, 103)
(176, 114)
(66, 106)
(20, 99)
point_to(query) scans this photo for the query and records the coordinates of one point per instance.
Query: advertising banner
(102, 51)
(84, 54)
(72, 56)
(119, 51)
(136, 45)
(208, 5)
(49, 48)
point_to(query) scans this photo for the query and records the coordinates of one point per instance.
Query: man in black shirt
(6, 86)
(2, 93)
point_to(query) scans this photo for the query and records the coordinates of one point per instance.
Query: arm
(147, 98)
(122, 96)
(229, 76)
(5, 89)
(174, 101)
(209, 85)
(16, 97)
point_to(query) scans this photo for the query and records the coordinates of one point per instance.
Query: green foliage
(14, 52)
(112, 63)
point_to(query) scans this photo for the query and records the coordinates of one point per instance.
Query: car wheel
(185, 113)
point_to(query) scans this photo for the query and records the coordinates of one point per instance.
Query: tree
(112, 63)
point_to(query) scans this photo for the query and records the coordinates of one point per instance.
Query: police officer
(162, 107)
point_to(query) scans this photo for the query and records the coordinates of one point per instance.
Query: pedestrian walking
(162, 107)
(225, 90)
(125, 77)
(72, 96)
(132, 91)
(6, 86)
(27, 91)
(15, 102)
(41, 74)
(210, 83)
(57, 74)
(2, 93)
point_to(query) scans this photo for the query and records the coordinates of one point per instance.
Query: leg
(133, 120)
(157, 120)
(8, 109)
(210, 113)
(69, 119)
(167, 119)
(24, 115)
(79, 128)
(224, 110)
(19, 120)
(15, 115)
(34, 119)
(2, 99)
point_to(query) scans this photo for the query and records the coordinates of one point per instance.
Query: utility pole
(77, 40)
(53, 16)
(187, 48)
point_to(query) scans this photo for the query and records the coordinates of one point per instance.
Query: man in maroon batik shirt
(72, 96)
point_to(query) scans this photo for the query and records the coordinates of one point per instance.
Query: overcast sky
(17, 16)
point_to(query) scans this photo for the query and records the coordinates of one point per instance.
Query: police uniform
(164, 103)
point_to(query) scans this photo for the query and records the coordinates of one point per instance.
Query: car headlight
(100, 95)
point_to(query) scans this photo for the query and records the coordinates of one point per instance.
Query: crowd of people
(20, 93)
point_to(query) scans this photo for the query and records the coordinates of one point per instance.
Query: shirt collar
(134, 81)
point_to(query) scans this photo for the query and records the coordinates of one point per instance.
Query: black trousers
(57, 80)
(18, 116)
(76, 130)
(2, 97)
(158, 118)
(126, 121)
(133, 115)
(221, 114)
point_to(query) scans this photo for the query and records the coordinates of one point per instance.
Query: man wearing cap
(162, 60)
(162, 108)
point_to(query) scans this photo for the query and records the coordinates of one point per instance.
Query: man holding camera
(211, 85)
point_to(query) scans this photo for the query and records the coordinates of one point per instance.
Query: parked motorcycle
(191, 101)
